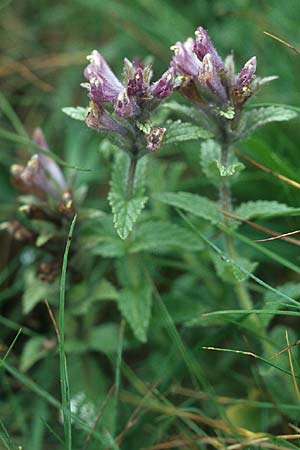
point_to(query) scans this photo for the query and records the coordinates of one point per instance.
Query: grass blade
(12, 116)
(65, 389)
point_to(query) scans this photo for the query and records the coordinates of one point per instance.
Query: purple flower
(208, 76)
(136, 85)
(164, 86)
(247, 74)
(49, 164)
(41, 176)
(35, 177)
(126, 106)
(203, 46)
(98, 119)
(199, 63)
(185, 60)
(135, 95)
(103, 85)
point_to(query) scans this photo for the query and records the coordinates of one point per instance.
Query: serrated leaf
(178, 108)
(125, 212)
(183, 131)
(135, 306)
(33, 351)
(264, 209)
(77, 113)
(162, 236)
(187, 112)
(259, 117)
(210, 160)
(193, 203)
(126, 207)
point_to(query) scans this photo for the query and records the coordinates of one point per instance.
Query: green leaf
(135, 306)
(36, 290)
(273, 301)
(126, 209)
(104, 338)
(85, 295)
(77, 113)
(187, 112)
(100, 238)
(249, 417)
(125, 212)
(63, 370)
(179, 131)
(251, 120)
(162, 236)
(210, 160)
(193, 203)
(182, 110)
(33, 351)
(229, 272)
(264, 209)
(228, 113)
(45, 231)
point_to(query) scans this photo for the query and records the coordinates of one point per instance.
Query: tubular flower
(199, 63)
(132, 100)
(41, 176)
(134, 94)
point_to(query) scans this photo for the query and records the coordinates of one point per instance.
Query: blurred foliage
(168, 389)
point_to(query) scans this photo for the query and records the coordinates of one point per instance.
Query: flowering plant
(134, 100)
(157, 219)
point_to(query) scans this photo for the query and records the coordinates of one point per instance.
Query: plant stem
(131, 175)
(225, 197)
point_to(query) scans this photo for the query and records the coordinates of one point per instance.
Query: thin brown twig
(133, 417)
(179, 441)
(282, 41)
(264, 439)
(280, 236)
(285, 349)
(53, 320)
(48, 62)
(292, 366)
(181, 414)
(24, 71)
(104, 403)
(254, 225)
(266, 169)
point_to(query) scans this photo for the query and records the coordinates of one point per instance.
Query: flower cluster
(42, 178)
(124, 107)
(206, 79)
(48, 207)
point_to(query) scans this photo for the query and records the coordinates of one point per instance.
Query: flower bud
(154, 139)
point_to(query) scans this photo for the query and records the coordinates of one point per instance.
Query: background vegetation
(168, 392)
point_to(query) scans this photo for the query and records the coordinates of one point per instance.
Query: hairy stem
(226, 205)
(131, 175)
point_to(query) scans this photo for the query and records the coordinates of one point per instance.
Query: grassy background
(43, 48)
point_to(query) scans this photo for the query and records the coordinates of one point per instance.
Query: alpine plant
(212, 84)
(124, 108)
